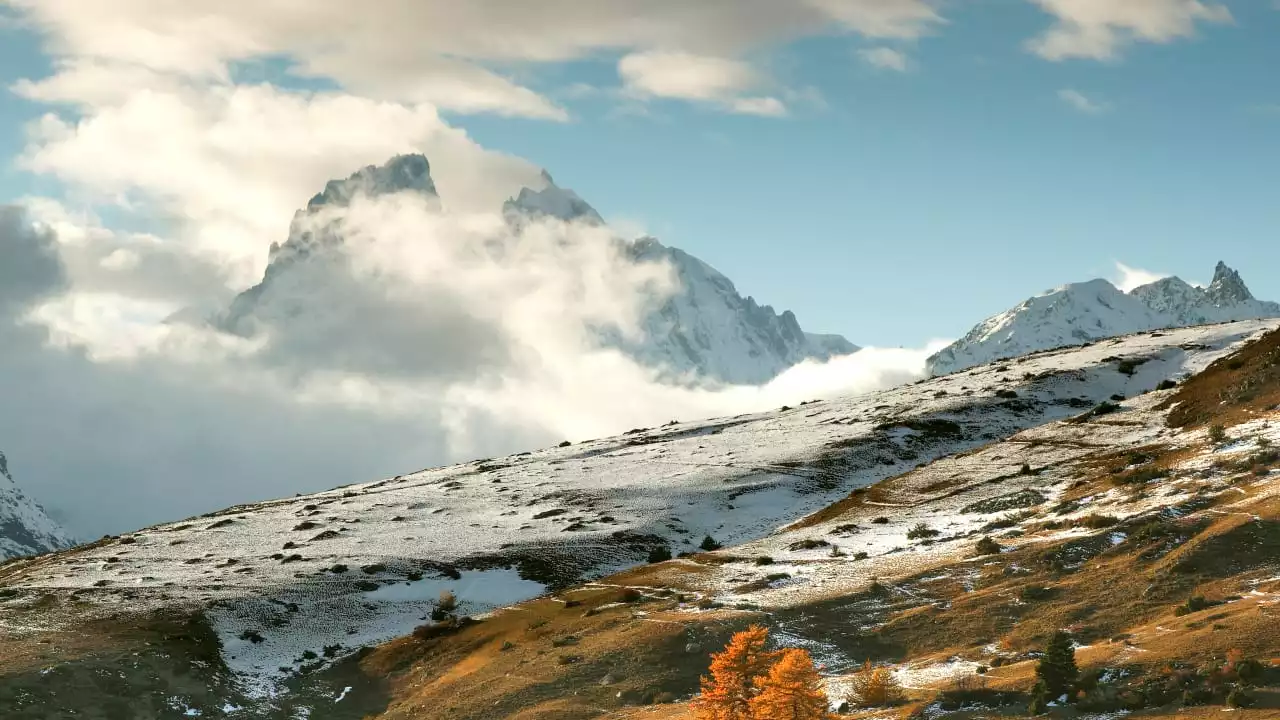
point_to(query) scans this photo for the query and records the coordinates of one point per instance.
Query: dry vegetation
(1151, 647)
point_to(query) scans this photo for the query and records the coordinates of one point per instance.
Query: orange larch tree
(791, 691)
(727, 693)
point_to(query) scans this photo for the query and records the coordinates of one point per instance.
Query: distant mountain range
(25, 528)
(706, 331)
(1083, 312)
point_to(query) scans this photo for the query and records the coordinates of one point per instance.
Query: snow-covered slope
(1088, 311)
(25, 529)
(356, 565)
(709, 330)
(705, 332)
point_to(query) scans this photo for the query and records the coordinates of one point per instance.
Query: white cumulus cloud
(1102, 29)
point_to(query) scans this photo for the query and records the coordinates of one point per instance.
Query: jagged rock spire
(1227, 288)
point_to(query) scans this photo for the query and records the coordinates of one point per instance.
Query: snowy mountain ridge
(25, 528)
(705, 332)
(282, 581)
(1084, 312)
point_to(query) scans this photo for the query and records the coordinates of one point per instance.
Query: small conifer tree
(1057, 668)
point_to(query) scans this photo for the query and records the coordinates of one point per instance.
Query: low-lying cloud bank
(427, 337)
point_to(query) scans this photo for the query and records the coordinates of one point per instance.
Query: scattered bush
(922, 531)
(764, 560)
(440, 629)
(1167, 385)
(1194, 604)
(1217, 434)
(1128, 367)
(807, 544)
(1097, 522)
(1140, 476)
(881, 521)
(1102, 408)
(663, 698)
(987, 546)
(662, 553)
(876, 686)
(1034, 593)
(709, 544)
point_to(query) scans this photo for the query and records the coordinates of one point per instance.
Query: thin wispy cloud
(884, 58)
(1080, 102)
(1127, 278)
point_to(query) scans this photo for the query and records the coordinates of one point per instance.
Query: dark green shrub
(709, 544)
(1217, 434)
(1034, 593)
(659, 554)
(922, 531)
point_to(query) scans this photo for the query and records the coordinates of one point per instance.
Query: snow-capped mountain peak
(551, 201)
(709, 330)
(25, 528)
(706, 331)
(1088, 311)
(400, 173)
(1227, 288)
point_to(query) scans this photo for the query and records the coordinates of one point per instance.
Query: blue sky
(901, 206)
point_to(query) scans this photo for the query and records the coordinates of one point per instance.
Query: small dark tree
(709, 543)
(662, 553)
(1057, 669)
